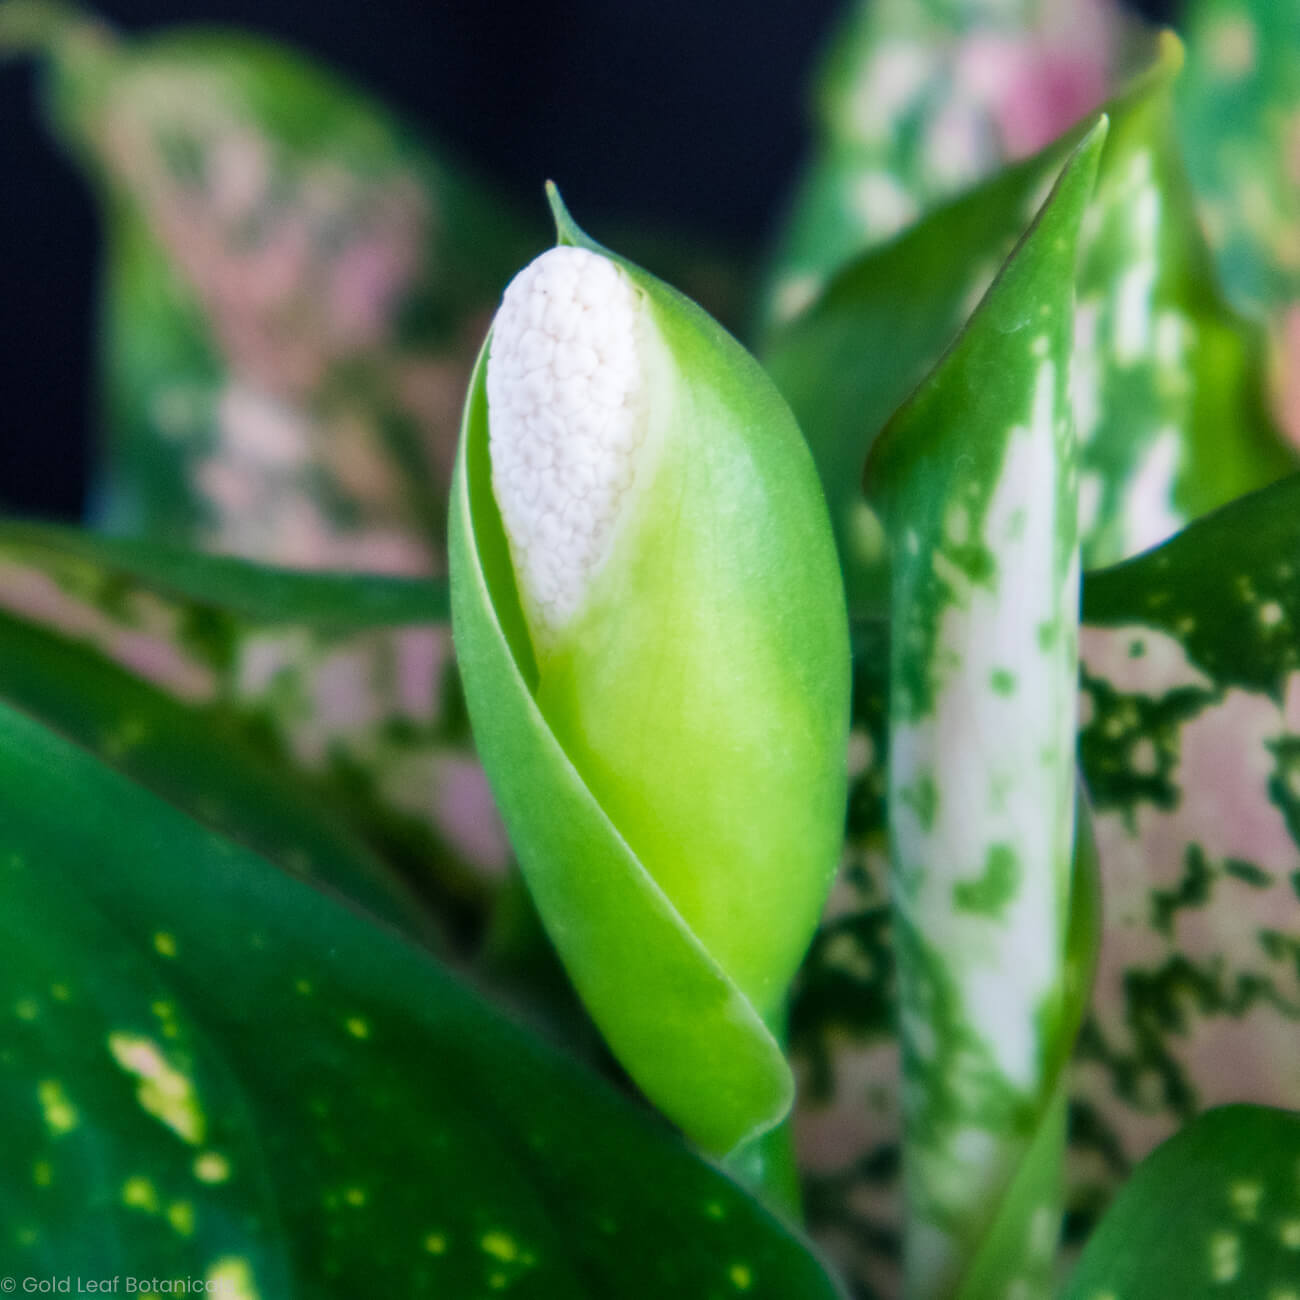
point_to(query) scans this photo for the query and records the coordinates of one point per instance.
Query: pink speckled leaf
(296, 289)
(1190, 744)
(317, 714)
(920, 99)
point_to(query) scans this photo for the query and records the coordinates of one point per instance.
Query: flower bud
(650, 624)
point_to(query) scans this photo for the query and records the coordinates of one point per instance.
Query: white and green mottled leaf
(1170, 386)
(1239, 112)
(1191, 751)
(1239, 122)
(977, 480)
(1213, 1214)
(295, 291)
(919, 100)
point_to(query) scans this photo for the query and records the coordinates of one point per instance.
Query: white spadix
(567, 406)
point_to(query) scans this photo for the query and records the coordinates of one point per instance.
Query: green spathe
(670, 763)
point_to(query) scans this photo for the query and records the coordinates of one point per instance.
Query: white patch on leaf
(1150, 515)
(1134, 659)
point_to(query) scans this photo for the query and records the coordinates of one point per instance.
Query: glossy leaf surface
(1214, 1212)
(214, 1071)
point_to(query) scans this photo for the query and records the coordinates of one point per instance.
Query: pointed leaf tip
(1053, 233)
(1088, 153)
(567, 231)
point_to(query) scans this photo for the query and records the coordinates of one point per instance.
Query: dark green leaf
(258, 593)
(212, 1070)
(1214, 1214)
(316, 717)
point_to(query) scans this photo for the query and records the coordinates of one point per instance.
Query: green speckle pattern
(919, 100)
(1169, 383)
(1190, 746)
(977, 479)
(996, 889)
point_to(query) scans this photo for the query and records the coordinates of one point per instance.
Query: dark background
(683, 114)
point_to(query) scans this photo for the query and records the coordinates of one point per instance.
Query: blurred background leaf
(1239, 121)
(295, 289)
(316, 716)
(918, 100)
(1170, 384)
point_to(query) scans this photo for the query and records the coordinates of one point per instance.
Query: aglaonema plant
(259, 907)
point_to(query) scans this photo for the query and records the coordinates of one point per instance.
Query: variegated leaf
(1190, 702)
(1169, 384)
(295, 292)
(1190, 672)
(339, 690)
(920, 99)
(1239, 119)
(977, 479)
